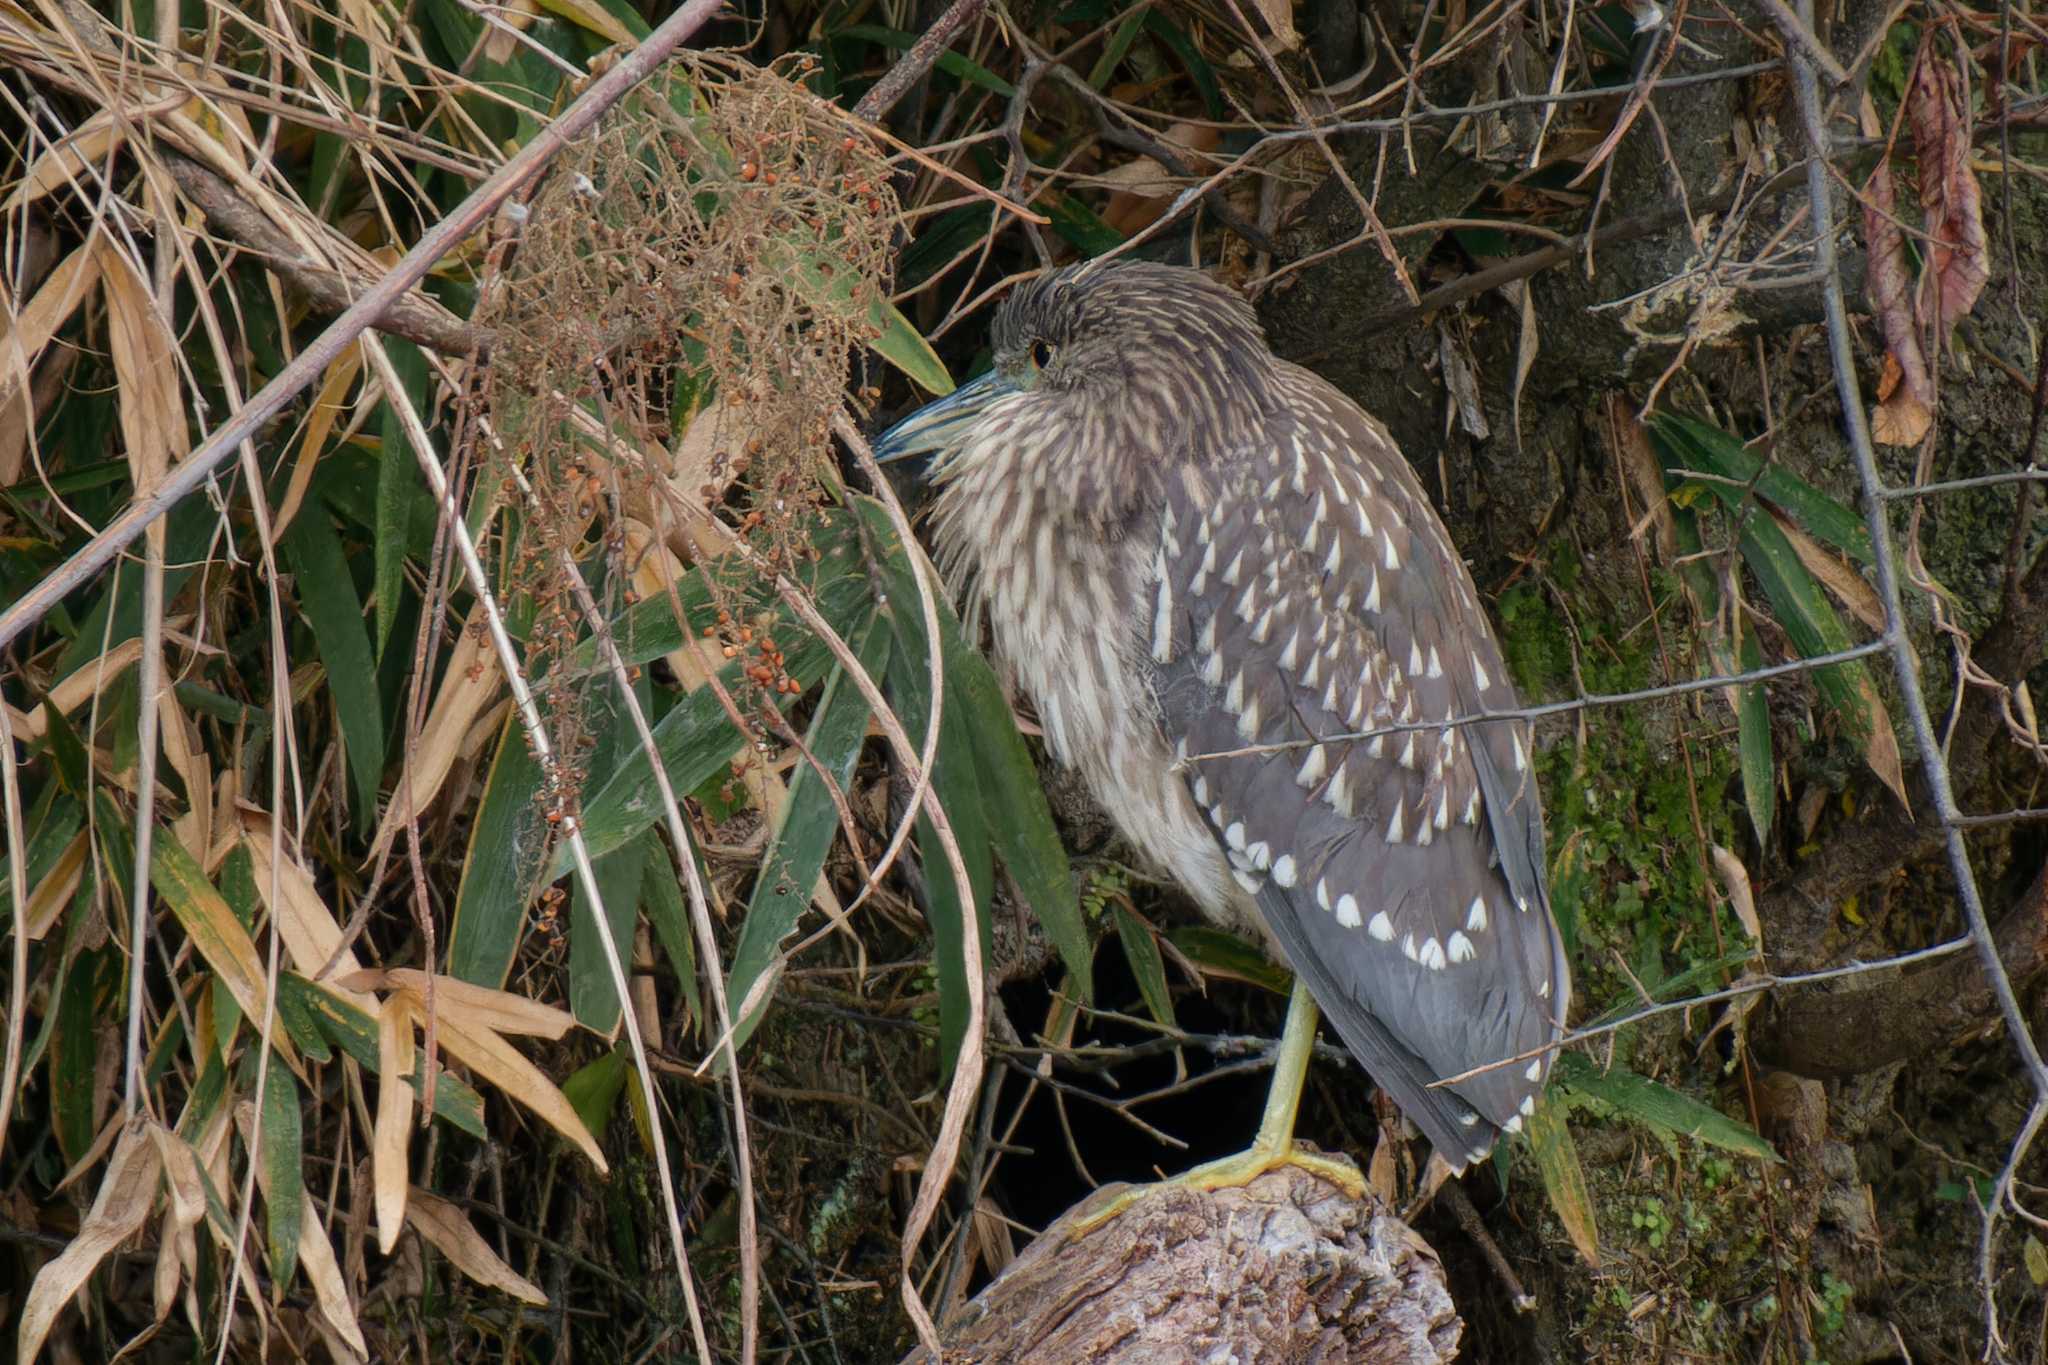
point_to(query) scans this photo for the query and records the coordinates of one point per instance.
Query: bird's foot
(1231, 1172)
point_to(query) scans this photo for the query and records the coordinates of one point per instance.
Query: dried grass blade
(504, 1066)
(127, 1193)
(393, 1130)
(442, 1224)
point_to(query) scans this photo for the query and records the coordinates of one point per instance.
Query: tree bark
(1286, 1269)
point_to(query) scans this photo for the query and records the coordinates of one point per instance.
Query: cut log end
(1285, 1269)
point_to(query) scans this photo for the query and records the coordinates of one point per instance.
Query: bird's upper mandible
(1238, 614)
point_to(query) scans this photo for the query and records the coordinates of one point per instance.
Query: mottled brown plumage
(1241, 620)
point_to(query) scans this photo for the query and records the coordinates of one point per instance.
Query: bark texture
(1285, 1270)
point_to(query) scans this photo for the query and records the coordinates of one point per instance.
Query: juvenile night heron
(1241, 620)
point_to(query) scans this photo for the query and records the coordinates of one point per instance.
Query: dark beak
(943, 425)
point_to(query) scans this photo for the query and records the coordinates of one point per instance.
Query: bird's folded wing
(1304, 590)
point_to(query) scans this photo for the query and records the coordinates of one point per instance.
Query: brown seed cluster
(724, 236)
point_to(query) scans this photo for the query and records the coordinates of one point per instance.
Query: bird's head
(1103, 375)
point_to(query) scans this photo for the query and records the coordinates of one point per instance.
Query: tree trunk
(1286, 1269)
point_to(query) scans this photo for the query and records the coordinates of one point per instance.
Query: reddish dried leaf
(1959, 259)
(1891, 290)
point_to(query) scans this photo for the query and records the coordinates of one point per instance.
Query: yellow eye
(1041, 354)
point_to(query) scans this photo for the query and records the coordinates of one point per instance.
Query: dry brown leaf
(186, 752)
(1631, 441)
(328, 406)
(1279, 17)
(393, 1131)
(1958, 263)
(177, 1239)
(1901, 420)
(504, 1066)
(56, 889)
(499, 41)
(442, 1224)
(471, 1004)
(1881, 746)
(126, 1195)
(472, 679)
(1836, 574)
(146, 368)
(309, 928)
(1143, 189)
(68, 162)
(1741, 898)
(66, 287)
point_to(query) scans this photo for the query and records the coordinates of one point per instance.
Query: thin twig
(1906, 667)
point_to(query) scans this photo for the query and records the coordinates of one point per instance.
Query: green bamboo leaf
(1753, 735)
(73, 1047)
(398, 485)
(1801, 607)
(1141, 950)
(592, 997)
(1564, 1179)
(960, 796)
(808, 824)
(1685, 444)
(661, 897)
(1118, 47)
(1024, 834)
(696, 738)
(1219, 952)
(1659, 1106)
(506, 842)
(593, 1090)
(327, 593)
(1190, 54)
(355, 1033)
(284, 1158)
(952, 63)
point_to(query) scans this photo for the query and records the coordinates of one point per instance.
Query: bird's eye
(1041, 353)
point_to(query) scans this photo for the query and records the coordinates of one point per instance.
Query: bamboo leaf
(327, 593)
(1221, 953)
(592, 996)
(1685, 444)
(661, 897)
(284, 1165)
(355, 1033)
(505, 847)
(398, 487)
(1564, 1179)
(1659, 1106)
(696, 738)
(809, 822)
(1141, 950)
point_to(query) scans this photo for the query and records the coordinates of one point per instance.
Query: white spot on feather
(1283, 870)
(1431, 955)
(1313, 766)
(1347, 912)
(1381, 928)
(1394, 831)
(1475, 918)
(1460, 948)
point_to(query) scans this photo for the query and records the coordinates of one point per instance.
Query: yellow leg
(1274, 1146)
